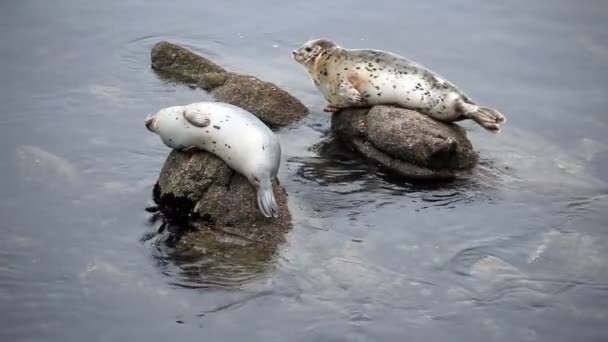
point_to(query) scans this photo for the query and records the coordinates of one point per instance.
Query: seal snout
(150, 123)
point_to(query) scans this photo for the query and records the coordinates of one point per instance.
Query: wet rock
(182, 65)
(406, 142)
(198, 190)
(271, 104)
(494, 270)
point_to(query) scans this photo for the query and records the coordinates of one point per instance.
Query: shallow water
(515, 251)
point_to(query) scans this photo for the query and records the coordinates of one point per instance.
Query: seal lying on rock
(359, 78)
(233, 134)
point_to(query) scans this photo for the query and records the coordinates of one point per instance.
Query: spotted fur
(356, 77)
(231, 133)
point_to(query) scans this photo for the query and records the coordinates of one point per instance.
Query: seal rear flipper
(266, 200)
(486, 117)
(494, 114)
(197, 117)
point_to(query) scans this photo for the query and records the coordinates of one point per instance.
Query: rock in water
(42, 169)
(266, 100)
(200, 190)
(182, 65)
(272, 105)
(406, 142)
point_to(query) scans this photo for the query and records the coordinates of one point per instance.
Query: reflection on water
(514, 250)
(207, 259)
(190, 269)
(338, 170)
(39, 168)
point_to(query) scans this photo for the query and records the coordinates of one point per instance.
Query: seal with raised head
(365, 77)
(231, 133)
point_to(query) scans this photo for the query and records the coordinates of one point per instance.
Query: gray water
(515, 251)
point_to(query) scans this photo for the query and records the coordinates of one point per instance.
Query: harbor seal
(360, 78)
(231, 133)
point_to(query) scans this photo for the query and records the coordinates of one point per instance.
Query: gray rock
(266, 100)
(271, 104)
(406, 142)
(182, 65)
(201, 191)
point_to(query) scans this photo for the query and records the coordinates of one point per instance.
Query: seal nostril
(149, 123)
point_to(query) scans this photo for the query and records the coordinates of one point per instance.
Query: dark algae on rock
(211, 204)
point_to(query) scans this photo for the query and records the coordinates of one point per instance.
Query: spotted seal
(359, 78)
(231, 133)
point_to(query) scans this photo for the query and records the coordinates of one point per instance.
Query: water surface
(514, 251)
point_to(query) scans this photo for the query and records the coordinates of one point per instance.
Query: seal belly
(411, 91)
(395, 89)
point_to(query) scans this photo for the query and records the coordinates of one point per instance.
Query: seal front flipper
(349, 95)
(197, 117)
(331, 108)
(348, 92)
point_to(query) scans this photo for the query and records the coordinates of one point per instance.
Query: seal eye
(308, 49)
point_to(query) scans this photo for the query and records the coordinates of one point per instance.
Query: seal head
(309, 52)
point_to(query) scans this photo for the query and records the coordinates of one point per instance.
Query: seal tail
(266, 200)
(486, 117)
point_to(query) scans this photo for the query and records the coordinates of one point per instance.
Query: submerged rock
(39, 168)
(200, 191)
(273, 105)
(406, 142)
